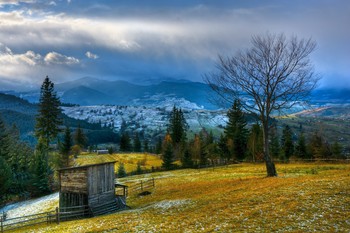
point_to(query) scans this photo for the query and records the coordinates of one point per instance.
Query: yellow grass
(238, 198)
(130, 160)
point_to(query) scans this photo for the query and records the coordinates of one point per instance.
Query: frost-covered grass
(238, 198)
(130, 160)
(34, 206)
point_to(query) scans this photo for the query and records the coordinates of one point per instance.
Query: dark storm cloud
(179, 39)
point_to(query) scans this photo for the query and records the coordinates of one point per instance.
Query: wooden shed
(91, 185)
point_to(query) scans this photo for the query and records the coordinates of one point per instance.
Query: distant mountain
(90, 91)
(14, 103)
(84, 96)
(19, 112)
(331, 95)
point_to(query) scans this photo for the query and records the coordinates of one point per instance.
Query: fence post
(153, 182)
(57, 216)
(141, 186)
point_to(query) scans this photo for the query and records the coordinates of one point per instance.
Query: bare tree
(271, 76)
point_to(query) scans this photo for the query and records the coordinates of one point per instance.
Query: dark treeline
(240, 142)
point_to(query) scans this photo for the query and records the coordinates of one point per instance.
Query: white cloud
(56, 58)
(91, 55)
(14, 2)
(30, 67)
(8, 58)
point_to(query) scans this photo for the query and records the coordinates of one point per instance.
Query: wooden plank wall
(100, 179)
(74, 181)
(72, 199)
(101, 184)
(102, 198)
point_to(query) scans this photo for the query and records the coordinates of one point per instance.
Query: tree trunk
(270, 166)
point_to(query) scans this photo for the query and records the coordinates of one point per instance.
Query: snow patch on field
(29, 207)
(166, 205)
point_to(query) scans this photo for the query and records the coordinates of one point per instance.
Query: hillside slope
(238, 198)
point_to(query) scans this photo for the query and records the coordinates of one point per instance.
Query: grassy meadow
(130, 160)
(238, 198)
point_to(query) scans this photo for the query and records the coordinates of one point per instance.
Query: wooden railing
(69, 213)
(141, 186)
(7, 224)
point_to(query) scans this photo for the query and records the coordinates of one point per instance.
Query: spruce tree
(121, 171)
(287, 142)
(4, 141)
(66, 146)
(159, 146)
(146, 146)
(41, 168)
(223, 150)
(168, 157)
(337, 150)
(137, 143)
(48, 118)
(315, 146)
(125, 144)
(300, 148)
(187, 161)
(5, 178)
(80, 138)
(236, 130)
(177, 126)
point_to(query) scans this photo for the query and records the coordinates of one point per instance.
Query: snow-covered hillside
(146, 119)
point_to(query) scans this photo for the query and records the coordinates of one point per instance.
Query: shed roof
(85, 166)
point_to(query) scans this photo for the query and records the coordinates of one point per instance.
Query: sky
(157, 39)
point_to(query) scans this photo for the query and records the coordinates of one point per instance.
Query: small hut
(91, 186)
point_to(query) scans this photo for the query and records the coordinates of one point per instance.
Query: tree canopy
(269, 77)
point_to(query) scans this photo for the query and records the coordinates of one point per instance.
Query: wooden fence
(140, 187)
(70, 213)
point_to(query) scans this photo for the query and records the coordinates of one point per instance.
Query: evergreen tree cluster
(18, 173)
(238, 143)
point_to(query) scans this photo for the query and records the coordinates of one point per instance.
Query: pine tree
(42, 170)
(287, 142)
(121, 171)
(66, 146)
(137, 143)
(337, 151)
(4, 141)
(159, 146)
(223, 150)
(168, 157)
(5, 178)
(145, 146)
(125, 144)
(80, 138)
(236, 130)
(300, 148)
(315, 146)
(177, 126)
(48, 118)
(187, 161)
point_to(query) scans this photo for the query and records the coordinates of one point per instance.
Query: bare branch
(273, 75)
